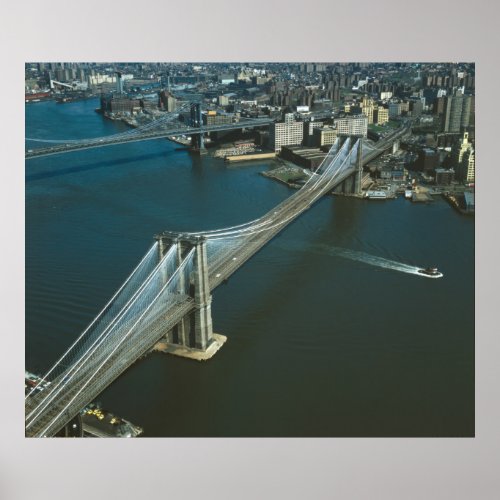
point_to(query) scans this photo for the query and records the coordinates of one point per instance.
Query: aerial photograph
(249, 249)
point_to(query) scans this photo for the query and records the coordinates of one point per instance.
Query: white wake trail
(366, 258)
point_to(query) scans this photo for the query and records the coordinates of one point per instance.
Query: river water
(330, 331)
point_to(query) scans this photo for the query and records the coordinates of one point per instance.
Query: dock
(248, 157)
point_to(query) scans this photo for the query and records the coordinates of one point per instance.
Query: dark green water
(318, 344)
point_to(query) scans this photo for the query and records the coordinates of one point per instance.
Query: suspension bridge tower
(352, 185)
(193, 336)
(197, 141)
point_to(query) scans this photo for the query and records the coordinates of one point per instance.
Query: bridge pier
(358, 178)
(198, 144)
(193, 336)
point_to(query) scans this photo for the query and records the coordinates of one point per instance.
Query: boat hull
(427, 274)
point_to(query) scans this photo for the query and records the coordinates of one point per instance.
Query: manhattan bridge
(168, 295)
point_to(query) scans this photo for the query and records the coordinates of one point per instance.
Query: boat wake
(371, 260)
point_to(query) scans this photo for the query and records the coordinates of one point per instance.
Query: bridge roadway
(148, 136)
(116, 360)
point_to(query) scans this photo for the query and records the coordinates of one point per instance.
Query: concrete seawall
(256, 156)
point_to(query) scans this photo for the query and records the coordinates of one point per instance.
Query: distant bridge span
(154, 130)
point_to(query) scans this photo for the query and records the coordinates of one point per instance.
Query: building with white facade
(352, 125)
(287, 133)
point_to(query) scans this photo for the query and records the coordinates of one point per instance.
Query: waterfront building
(466, 171)
(149, 104)
(352, 125)
(120, 104)
(99, 79)
(469, 200)
(444, 177)
(286, 133)
(459, 149)
(324, 136)
(305, 157)
(428, 160)
(463, 159)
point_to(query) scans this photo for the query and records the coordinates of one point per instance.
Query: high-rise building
(352, 125)
(119, 82)
(394, 109)
(471, 166)
(428, 160)
(404, 107)
(457, 111)
(417, 107)
(439, 105)
(380, 115)
(168, 101)
(223, 100)
(81, 75)
(287, 133)
(466, 111)
(463, 159)
(458, 151)
(367, 107)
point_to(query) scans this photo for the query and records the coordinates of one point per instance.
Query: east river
(328, 335)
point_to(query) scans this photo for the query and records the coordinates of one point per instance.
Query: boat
(376, 195)
(430, 272)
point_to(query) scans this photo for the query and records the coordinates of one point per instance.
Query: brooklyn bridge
(168, 295)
